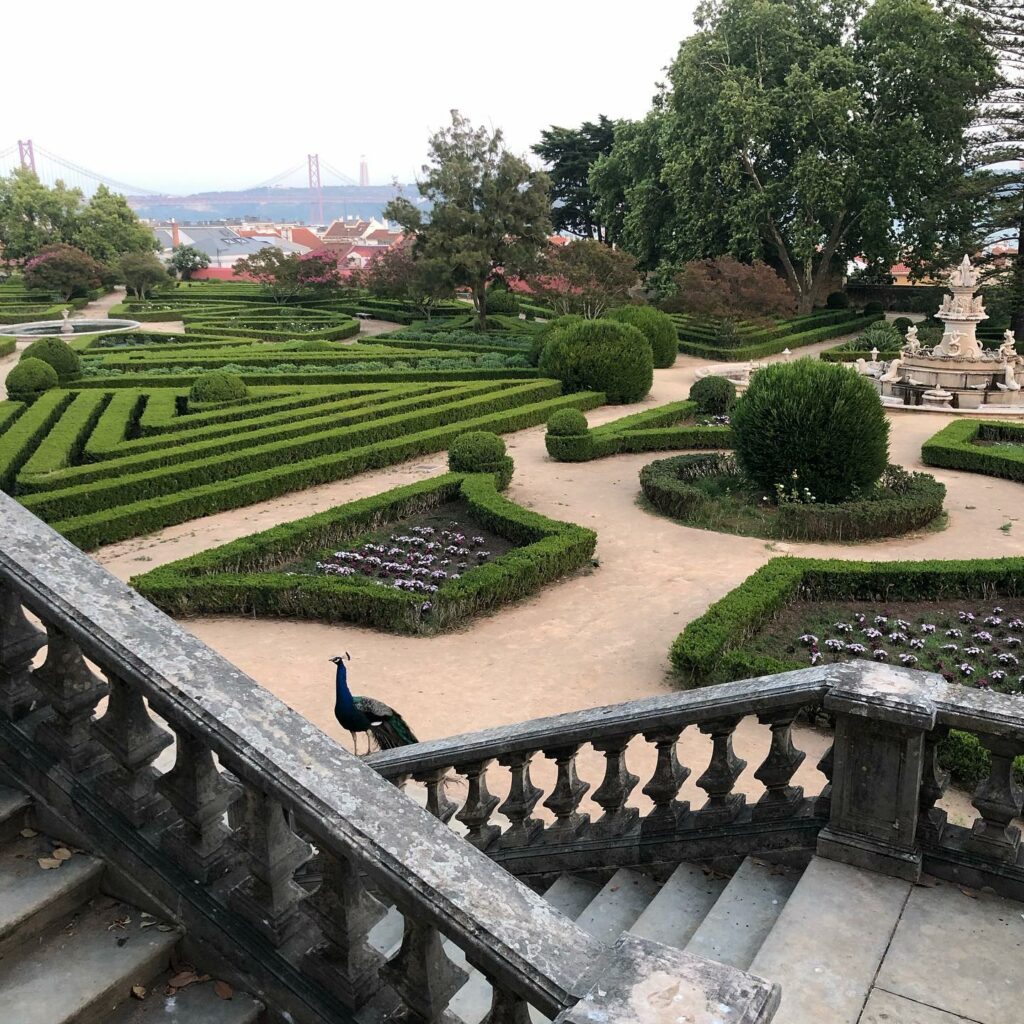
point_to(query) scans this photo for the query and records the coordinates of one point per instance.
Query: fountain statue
(65, 327)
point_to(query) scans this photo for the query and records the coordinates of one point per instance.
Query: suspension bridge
(312, 185)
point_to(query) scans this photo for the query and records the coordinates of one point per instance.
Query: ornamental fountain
(957, 373)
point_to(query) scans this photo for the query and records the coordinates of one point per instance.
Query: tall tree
(489, 213)
(570, 153)
(187, 259)
(143, 273)
(33, 216)
(807, 133)
(584, 277)
(64, 271)
(107, 228)
(396, 274)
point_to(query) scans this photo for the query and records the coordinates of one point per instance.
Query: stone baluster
(199, 793)
(522, 798)
(506, 1007)
(479, 806)
(128, 731)
(72, 690)
(269, 897)
(780, 800)
(719, 778)
(344, 961)
(823, 805)
(613, 793)
(564, 799)
(19, 641)
(665, 783)
(421, 972)
(438, 803)
(999, 799)
(931, 819)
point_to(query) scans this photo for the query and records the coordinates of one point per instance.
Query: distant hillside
(283, 204)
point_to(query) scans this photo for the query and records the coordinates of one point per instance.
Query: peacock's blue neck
(342, 695)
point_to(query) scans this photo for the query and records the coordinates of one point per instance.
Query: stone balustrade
(95, 683)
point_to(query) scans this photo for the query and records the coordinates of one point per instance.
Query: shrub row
(774, 346)
(956, 447)
(906, 501)
(702, 330)
(653, 430)
(234, 578)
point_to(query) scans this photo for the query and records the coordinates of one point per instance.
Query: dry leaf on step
(182, 979)
(968, 892)
(223, 989)
(48, 863)
(138, 991)
(28, 833)
(62, 853)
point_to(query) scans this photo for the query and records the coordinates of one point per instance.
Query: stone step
(14, 807)
(570, 895)
(681, 904)
(196, 1004)
(744, 913)
(615, 909)
(32, 898)
(79, 973)
(829, 941)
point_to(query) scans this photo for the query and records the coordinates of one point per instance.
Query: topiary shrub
(903, 324)
(58, 354)
(874, 308)
(837, 300)
(547, 332)
(567, 423)
(714, 396)
(29, 379)
(811, 424)
(480, 451)
(600, 355)
(500, 300)
(217, 386)
(312, 345)
(656, 327)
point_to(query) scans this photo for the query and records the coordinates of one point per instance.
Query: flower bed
(996, 449)
(667, 427)
(708, 491)
(370, 561)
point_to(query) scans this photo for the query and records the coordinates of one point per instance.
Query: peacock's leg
(355, 745)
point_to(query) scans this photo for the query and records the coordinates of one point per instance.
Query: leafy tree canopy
(107, 228)
(584, 277)
(142, 272)
(570, 153)
(286, 275)
(489, 210)
(725, 287)
(187, 259)
(33, 216)
(396, 274)
(63, 271)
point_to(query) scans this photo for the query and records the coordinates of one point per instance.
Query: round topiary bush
(217, 386)
(567, 423)
(811, 424)
(600, 355)
(874, 308)
(903, 324)
(714, 396)
(29, 379)
(837, 300)
(58, 354)
(478, 451)
(547, 332)
(501, 300)
(656, 327)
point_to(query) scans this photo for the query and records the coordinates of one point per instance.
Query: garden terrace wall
(652, 430)
(239, 578)
(956, 447)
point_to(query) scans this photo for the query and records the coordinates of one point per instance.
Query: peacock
(384, 725)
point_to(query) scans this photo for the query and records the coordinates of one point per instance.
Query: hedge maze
(103, 463)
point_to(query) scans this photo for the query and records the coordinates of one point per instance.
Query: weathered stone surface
(885, 1008)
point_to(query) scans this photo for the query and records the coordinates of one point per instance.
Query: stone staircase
(70, 954)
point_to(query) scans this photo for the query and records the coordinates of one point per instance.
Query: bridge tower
(364, 171)
(316, 209)
(27, 155)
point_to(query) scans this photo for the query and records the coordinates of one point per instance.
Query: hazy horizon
(206, 97)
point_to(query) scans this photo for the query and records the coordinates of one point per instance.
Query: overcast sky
(185, 95)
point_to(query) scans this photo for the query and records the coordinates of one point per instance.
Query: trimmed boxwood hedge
(910, 501)
(7, 345)
(239, 577)
(653, 430)
(955, 447)
(758, 350)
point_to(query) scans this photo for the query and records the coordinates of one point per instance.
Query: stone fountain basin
(53, 328)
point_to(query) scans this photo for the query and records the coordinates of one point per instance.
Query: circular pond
(57, 328)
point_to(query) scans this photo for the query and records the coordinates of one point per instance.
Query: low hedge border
(914, 501)
(232, 579)
(955, 447)
(253, 379)
(264, 330)
(776, 345)
(653, 430)
(710, 649)
(7, 346)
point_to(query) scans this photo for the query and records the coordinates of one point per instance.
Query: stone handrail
(218, 838)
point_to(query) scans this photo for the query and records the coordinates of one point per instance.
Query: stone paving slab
(886, 1008)
(960, 952)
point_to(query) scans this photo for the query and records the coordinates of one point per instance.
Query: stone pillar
(878, 764)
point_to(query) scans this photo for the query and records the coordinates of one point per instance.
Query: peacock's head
(337, 659)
